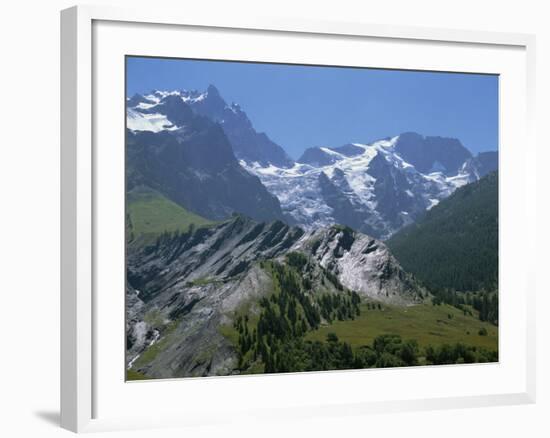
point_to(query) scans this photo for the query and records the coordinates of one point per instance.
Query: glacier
(300, 194)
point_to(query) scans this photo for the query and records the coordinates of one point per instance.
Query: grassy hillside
(455, 245)
(293, 331)
(426, 323)
(149, 213)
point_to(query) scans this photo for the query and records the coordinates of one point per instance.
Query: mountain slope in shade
(188, 158)
(455, 245)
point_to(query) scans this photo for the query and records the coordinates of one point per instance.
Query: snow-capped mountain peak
(248, 144)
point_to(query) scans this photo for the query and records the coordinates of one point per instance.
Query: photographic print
(292, 218)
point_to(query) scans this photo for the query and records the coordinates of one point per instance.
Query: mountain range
(206, 155)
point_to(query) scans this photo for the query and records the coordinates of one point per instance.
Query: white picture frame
(83, 369)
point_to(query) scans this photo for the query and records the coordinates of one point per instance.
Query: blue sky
(303, 106)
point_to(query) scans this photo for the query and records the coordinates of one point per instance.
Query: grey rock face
(394, 193)
(346, 207)
(362, 264)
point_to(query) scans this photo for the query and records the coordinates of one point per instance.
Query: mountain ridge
(185, 286)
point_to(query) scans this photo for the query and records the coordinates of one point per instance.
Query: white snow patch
(143, 105)
(188, 98)
(331, 152)
(138, 121)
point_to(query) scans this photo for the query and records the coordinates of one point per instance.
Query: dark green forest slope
(455, 245)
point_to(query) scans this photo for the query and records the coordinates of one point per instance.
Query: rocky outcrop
(362, 264)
